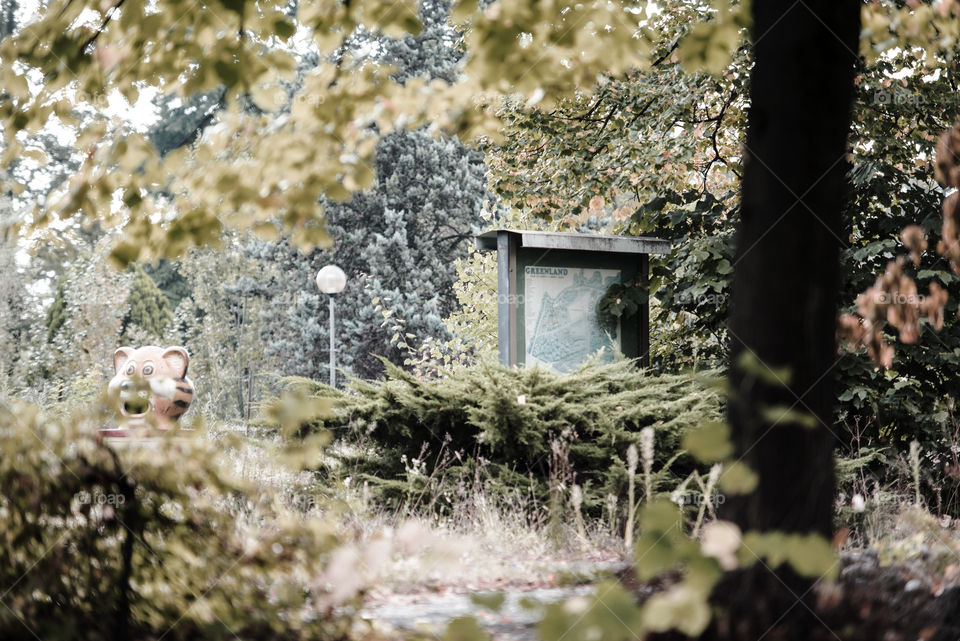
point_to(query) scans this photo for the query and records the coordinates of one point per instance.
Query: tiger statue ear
(177, 360)
(120, 357)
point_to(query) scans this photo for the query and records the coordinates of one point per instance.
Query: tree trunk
(785, 292)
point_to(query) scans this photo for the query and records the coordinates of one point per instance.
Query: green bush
(150, 541)
(522, 424)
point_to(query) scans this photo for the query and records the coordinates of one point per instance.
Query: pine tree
(57, 312)
(166, 274)
(148, 308)
(397, 242)
(432, 53)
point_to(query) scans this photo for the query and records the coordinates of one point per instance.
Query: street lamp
(331, 280)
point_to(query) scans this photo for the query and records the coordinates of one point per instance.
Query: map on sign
(560, 315)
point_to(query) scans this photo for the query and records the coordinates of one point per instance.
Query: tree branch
(111, 12)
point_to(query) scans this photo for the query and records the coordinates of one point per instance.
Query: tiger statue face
(152, 378)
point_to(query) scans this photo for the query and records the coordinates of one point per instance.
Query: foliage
(150, 542)
(395, 242)
(221, 324)
(323, 147)
(474, 320)
(180, 122)
(147, 308)
(8, 18)
(174, 285)
(57, 312)
(433, 52)
(516, 419)
(94, 304)
(907, 401)
(18, 321)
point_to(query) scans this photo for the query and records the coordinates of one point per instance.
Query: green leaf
(491, 600)
(227, 71)
(710, 442)
(812, 556)
(284, 28)
(465, 629)
(782, 415)
(680, 608)
(750, 363)
(124, 254)
(738, 478)
(236, 6)
(659, 516)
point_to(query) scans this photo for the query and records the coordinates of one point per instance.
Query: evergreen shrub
(512, 421)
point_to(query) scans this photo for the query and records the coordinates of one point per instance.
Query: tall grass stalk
(631, 503)
(611, 505)
(646, 457)
(576, 501)
(915, 468)
(706, 502)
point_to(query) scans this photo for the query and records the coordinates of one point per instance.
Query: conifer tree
(148, 308)
(166, 274)
(57, 312)
(397, 242)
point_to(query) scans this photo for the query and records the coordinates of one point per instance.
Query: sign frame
(518, 249)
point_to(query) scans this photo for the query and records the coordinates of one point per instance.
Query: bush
(149, 542)
(522, 424)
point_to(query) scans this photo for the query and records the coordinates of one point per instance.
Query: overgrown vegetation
(528, 428)
(152, 542)
(344, 137)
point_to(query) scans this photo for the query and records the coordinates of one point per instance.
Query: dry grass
(488, 541)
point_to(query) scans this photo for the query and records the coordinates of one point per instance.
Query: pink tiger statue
(163, 370)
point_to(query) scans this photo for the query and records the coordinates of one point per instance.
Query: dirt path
(429, 612)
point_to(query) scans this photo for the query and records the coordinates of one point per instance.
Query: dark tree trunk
(785, 290)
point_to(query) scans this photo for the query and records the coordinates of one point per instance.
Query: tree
(396, 243)
(166, 274)
(84, 324)
(148, 310)
(255, 173)
(221, 324)
(8, 18)
(785, 290)
(16, 320)
(57, 312)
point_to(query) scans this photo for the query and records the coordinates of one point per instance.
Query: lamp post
(331, 280)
